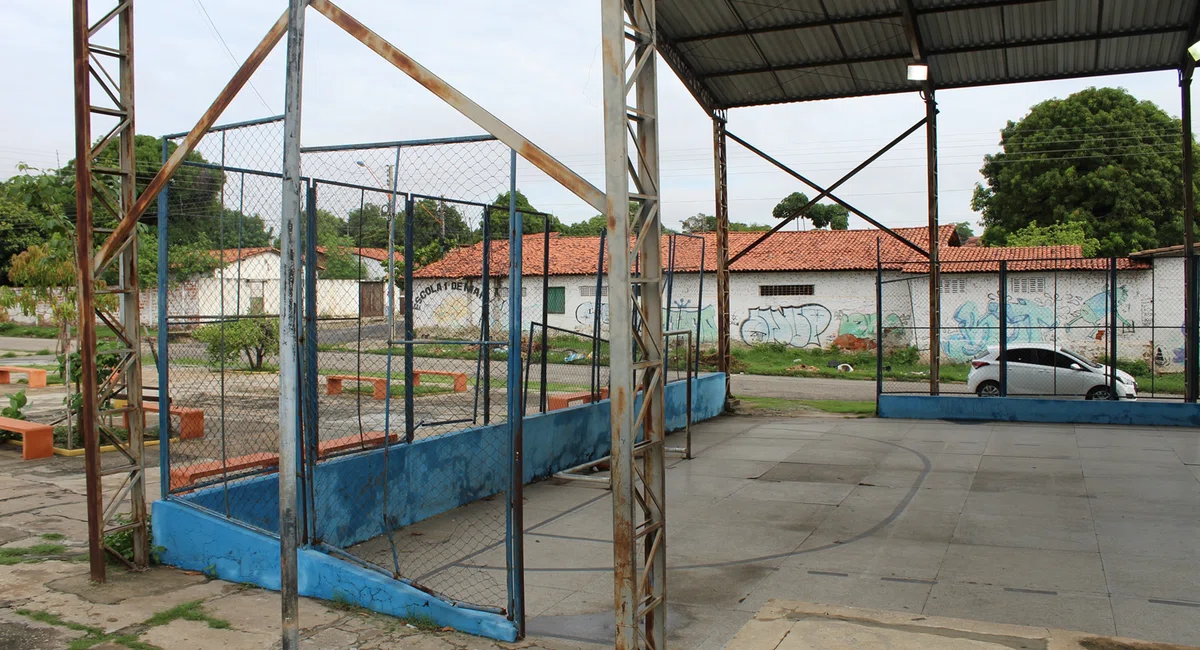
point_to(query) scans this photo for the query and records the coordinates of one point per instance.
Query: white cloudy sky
(535, 64)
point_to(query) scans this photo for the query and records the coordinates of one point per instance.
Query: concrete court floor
(1087, 528)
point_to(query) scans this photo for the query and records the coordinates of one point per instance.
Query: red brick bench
(37, 440)
(191, 420)
(564, 400)
(37, 378)
(186, 475)
(460, 378)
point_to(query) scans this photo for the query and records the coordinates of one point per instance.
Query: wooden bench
(185, 475)
(37, 440)
(333, 384)
(564, 400)
(37, 378)
(460, 378)
(191, 420)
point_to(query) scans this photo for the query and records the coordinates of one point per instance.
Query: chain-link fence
(1052, 327)
(406, 449)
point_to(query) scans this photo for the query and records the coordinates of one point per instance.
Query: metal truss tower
(632, 175)
(118, 504)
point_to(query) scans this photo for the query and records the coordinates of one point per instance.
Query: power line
(236, 63)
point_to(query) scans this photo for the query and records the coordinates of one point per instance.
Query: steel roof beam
(966, 49)
(914, 33)
(831, 21)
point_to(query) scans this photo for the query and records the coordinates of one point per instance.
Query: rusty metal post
(639, 512)
(86, 290)
(289, 329)
(125, 509)
(935, 296)
(721, 184)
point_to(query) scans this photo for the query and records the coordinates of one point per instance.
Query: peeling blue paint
(1013, 409)
(428, 477)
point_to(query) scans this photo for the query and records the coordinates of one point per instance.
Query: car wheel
(1100, 392)
(988, 389)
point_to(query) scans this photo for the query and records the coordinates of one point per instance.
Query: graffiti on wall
(1029, 321)
(683, 317)
(796, 326)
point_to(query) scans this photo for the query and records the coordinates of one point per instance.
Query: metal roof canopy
(734, 53)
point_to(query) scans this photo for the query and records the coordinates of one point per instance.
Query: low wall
(448, 471)
(1019, 409)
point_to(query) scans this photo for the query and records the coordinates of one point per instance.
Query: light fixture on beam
(1194, 51)
(918, 72)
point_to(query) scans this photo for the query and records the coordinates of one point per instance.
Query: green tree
(822, 215)
(701, 222)
(531, 219)
(20, 228)
(368, 226)
(1072, 232)
(1100, 158)
(964, 230)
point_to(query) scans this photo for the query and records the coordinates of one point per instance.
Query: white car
(1045, 369)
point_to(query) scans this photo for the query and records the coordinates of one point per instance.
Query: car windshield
(1081, 359)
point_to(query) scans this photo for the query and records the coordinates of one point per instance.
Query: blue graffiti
(976, 331)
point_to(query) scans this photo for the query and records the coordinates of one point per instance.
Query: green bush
(16, 402)
(256, 338)
(905, 356)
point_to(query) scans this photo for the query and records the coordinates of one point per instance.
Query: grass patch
(52, 537)
(189, 611)
(845, 407)
(32, 554)
(93, 636)
(422, 622)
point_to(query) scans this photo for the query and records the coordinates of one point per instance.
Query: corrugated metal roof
(749, 52)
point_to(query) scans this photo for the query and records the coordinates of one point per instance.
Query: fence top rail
(463, 139)
(571, 332)
(230, 126)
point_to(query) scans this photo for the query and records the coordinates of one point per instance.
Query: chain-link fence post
(1002, 300)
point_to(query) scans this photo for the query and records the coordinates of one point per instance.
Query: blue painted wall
(925, 407)
(438, 474)
(200, 542)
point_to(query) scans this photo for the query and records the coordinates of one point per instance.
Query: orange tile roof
(812, 250)
(983, 259)
(377, 254)
(231, 255)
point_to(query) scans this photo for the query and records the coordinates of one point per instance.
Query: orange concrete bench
(37, 440)
(37, 378)
(562, 401)
(186, 475)
(371, 439)
(460, 378)
(191, 420)
(333, 384)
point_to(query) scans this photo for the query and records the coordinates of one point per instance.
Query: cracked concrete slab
(122, 585)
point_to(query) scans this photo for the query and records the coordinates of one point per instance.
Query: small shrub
(905, 356)
(256, 338)
(16, 402)
(121, 542)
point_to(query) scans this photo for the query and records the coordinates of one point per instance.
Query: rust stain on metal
(129, 220)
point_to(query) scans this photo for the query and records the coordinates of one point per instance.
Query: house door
(370, 299)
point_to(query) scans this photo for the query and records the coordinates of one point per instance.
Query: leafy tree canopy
(835, 216)
(1099, 158)
(530, 222)
(964, 230)
(701, 222)
(1072, 232)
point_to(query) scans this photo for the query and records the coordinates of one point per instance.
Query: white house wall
(842, 311)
